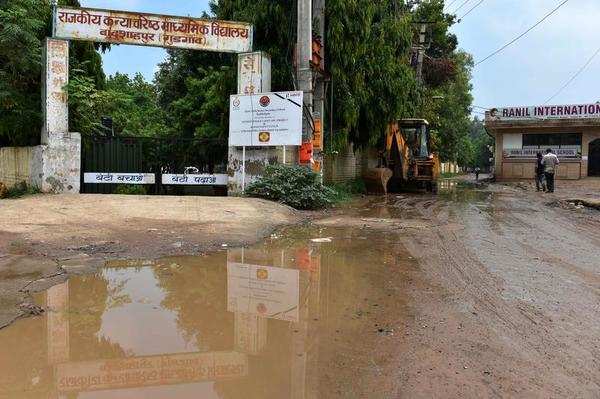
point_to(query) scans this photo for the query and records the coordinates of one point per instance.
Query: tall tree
(132, 103)
(446, 92)
(24, 25)
(368, 52)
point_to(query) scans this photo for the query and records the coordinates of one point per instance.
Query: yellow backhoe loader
(407, 161)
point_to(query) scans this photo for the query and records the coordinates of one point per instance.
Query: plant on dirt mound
(130, 189)
(298, 187)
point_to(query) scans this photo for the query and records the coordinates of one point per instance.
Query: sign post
(266, 120)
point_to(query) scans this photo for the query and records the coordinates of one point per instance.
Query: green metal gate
(149, 155)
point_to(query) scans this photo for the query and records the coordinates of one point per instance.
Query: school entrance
(148, 165)
(139, 165)
(594, 158)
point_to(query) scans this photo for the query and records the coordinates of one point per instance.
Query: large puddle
(277, 320)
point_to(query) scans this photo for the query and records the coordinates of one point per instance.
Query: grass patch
(130, 189)
(344, 192)
(21, 190)
(448, 175)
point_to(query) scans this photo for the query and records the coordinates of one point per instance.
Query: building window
(552, 140)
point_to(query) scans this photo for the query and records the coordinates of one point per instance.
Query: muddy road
(478, 292)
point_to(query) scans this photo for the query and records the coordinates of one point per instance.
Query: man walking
(540, 183)
(550, 163)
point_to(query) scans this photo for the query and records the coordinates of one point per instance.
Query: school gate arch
(62, 168)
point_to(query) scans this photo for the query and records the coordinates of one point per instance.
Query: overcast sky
(527, 73)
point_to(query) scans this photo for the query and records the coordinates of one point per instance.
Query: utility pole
(318, 10)
(303, 57)
(421, 51)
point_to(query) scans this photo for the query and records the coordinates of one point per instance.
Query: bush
(130, 189)
(347, 190)
(19, 190)
(295, 186)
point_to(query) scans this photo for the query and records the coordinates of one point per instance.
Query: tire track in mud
(458, 255)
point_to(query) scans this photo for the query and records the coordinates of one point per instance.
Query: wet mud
(304, 314)
(476, 292)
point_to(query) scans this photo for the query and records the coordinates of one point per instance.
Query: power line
(468, 12)
(522, 34)
(587, 63)
(450, 4)
(461, 6)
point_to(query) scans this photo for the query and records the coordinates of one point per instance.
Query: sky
(526, 73)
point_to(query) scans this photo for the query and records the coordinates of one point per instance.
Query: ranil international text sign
(152, 30)
(573, 111)
(268, 119)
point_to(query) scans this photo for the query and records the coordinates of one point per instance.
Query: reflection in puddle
(245, 323)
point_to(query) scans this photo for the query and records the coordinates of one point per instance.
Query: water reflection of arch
(285, 357)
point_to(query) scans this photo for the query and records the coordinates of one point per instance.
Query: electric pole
(319, 89)
(421, 51)
(303, 57)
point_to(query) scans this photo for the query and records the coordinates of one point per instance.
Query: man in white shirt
(550, 163)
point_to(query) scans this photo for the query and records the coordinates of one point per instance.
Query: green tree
(368, 51)
(482, 142)
(368, 45)
(446, 90)
(194, 87)
(132, 104)
(24, 25)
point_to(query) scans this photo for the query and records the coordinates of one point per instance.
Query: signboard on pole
(110, 26)
(268, 119)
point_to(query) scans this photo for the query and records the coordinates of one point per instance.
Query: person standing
(477, 170)
(540, 183)
(550, 162)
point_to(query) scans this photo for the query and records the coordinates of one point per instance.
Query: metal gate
(140, 164)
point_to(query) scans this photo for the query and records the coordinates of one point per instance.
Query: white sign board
(268, 119)
(195, 180)
(152, 30)
(269, 292)
(119, 178)
(532, 152)
(574, 111)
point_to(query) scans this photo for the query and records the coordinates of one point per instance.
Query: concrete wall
(525, 169)
(18, 164)
(256, 161)
(449, 167)
(341, 167)
(53, 168)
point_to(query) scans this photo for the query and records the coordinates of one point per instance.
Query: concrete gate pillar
(254, 76)
(58, 160)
